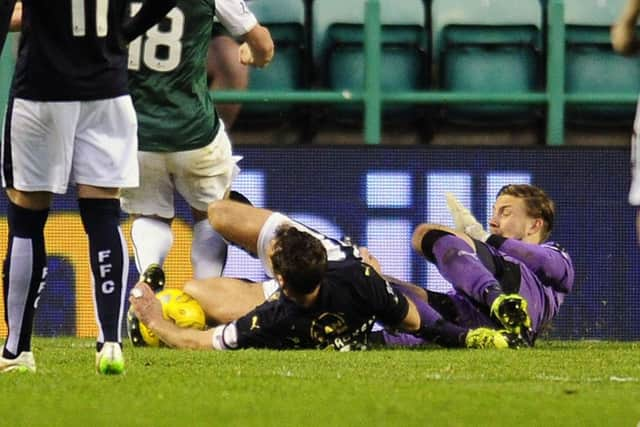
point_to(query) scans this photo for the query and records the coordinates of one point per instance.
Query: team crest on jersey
(326, 327)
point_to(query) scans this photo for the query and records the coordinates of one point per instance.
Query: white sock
(208, 251)
(152, 240)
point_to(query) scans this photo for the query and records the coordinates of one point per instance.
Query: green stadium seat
(490, 59)
(403, 65)
(328, 12)
(483, 12)
(592, 12)
(288, 71)
(338, 31)
(593, 67)
(488, 46)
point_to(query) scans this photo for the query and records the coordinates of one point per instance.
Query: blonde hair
(537, 203)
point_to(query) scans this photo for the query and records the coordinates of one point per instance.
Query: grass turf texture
(557, 383)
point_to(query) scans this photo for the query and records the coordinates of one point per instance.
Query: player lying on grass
(329, 297)
(512, 280)
(507, 277)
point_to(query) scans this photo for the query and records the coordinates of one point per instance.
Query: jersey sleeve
(235, 16)
(548, 261)
(149, 14)
(259, 328)
(389, 305)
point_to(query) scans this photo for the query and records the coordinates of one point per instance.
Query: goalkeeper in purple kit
(508, 277)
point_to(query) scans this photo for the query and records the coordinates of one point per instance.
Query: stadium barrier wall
(376, 196)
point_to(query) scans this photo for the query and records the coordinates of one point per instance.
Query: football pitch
(555, 384)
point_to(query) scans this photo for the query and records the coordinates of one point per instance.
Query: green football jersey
(168, 79)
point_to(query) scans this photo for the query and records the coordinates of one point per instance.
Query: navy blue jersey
(71, 50)
(352, 297)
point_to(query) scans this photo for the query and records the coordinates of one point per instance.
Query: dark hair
(299, 258)
(537, 203)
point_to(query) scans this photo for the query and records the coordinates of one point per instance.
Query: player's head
(299, 260)
(523, 212)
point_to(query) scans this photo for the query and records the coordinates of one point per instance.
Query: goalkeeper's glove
(464, 219)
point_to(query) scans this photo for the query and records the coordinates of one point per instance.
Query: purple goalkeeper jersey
(545, 277)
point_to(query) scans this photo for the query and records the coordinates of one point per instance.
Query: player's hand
(146, 306)
(464, 220)
(368, 258)
(247, 57)
(623, 38)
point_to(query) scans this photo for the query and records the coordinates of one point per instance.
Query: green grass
(555, 384)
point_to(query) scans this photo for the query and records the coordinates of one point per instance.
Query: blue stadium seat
(593, 67)
(338, 31)
(489, 46)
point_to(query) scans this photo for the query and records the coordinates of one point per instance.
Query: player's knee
(218, 213)
(425, 236)
(193, 288)
(418, 235)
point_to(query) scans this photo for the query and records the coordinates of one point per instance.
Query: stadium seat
(403, 66)
(338, 32)
(490, 59)
(592, 12)
(489, 46)
(288, 71)
(593, 67)
(483, 12)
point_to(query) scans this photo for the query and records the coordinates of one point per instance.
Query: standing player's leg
(24, 275)
(38, 137)
(104, 161)
(151, 204)
(634, 190)
(202, 176)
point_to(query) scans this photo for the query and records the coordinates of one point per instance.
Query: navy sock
(23, 275)
(433, 327)
(109, 264)
(429, 240)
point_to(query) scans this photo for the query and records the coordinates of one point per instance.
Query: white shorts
(201, 176)
(634, 192)
(271, 290)
(48, 145)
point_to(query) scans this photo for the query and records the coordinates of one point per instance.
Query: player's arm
(258, 48)
(6, 12)
(390, 306)
(16, 18)
(623, 31)
(151, 12)
(552, 264)
(225, 299)
(148, 309)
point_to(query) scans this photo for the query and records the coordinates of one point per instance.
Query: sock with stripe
(23, 275)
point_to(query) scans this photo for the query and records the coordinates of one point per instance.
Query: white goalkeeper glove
(464, 219)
